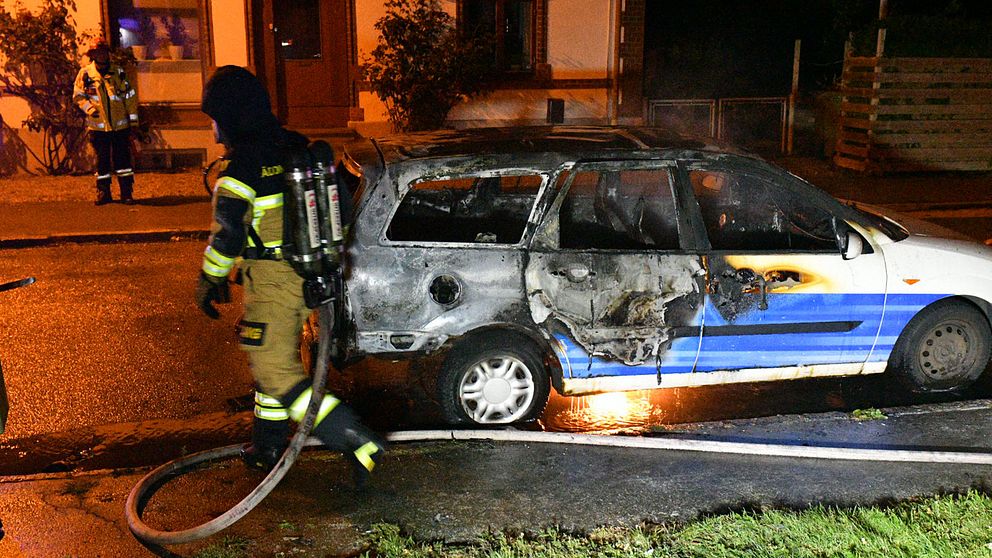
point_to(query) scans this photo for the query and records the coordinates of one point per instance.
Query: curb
(105, 238)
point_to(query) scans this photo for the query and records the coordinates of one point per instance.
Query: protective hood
(238, 102)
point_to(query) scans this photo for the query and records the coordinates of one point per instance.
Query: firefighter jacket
(248, 204)
(107, 98)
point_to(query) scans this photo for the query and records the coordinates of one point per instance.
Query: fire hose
(139, 496)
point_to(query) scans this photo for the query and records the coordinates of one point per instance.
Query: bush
(422, 67)
(41, 57)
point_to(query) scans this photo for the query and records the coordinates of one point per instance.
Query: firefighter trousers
(113, 156)
(270, 330)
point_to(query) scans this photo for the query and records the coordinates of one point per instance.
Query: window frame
(525, 234)
(684, 223)
(538, 39)
(814, 197)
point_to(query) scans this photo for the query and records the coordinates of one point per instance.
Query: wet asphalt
(460, 491)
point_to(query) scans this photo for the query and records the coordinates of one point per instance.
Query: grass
(939, 527)
(229, 547)
(870, 413)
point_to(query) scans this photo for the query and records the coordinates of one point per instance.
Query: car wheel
(497, 379)
(944, 348)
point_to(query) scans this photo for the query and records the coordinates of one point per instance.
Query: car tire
(944, 349)
(499, 378)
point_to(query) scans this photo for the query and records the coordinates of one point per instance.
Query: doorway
(302, 55)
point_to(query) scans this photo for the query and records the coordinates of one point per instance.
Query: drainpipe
(613, 64)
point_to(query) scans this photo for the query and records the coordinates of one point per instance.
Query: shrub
(40, 53)
(422, 67)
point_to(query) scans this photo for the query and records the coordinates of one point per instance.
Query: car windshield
(890, 228)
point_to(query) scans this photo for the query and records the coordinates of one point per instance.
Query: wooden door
(306, 61)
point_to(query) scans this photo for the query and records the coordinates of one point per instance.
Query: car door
(781, 301)
(608, 278)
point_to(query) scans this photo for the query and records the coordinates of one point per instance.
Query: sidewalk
(45, 210)
(38, 224)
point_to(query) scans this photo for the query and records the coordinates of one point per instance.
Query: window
(298, 25)
(488, 210)
(164, 36)
(619, 209)
(745, 213)
(510, 23)
(154, 26)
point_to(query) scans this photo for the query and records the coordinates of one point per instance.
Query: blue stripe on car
(756, 350)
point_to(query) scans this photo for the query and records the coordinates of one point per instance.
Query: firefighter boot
(103, 190)
(125, 179)
(339, 429)
(269, 433)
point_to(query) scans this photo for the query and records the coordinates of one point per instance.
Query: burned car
(601, 259)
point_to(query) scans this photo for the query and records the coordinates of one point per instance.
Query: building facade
(570, 61)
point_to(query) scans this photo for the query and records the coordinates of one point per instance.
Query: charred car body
(602, 259)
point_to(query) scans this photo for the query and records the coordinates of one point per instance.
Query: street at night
(623, 278)
(109, 364)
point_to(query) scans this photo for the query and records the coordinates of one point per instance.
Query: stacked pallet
(915, 114)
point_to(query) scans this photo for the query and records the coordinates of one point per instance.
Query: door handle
(747, 276)
(762, 293)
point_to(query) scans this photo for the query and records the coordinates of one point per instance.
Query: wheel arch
(979, 303)
(899, 365)
(526, 335)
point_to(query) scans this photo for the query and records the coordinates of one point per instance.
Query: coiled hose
(146, 487)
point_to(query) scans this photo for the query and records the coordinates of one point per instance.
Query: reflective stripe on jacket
(248, 192)
(108, 99)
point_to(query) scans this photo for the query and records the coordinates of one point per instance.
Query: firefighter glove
(209, 290)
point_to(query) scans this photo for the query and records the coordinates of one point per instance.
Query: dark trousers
(113, 156)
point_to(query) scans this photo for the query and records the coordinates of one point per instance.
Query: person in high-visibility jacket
(104, 93)
(248, 224)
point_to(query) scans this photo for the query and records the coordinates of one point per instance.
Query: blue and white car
(604, 259)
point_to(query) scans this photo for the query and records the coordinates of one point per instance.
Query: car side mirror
(849, 243)
(854, 246)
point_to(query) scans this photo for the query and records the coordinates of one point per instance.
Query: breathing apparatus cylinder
(332, 233)
(328, 202)
(303, 247)
(303, 217)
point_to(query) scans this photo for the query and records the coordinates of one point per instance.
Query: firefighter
(104, 93)
(248, 223)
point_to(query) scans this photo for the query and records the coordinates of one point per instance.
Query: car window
(619, 209)
(488, 209)
(743, 212)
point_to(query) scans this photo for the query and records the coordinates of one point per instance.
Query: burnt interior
(472, 210)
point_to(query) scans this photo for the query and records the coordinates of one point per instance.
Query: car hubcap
(947, 352)
(497, 390)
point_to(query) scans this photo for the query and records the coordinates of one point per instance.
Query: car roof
(578, 140)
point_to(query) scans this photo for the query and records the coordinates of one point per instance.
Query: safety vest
(108, 99)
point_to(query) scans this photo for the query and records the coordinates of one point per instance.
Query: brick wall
(631, 105)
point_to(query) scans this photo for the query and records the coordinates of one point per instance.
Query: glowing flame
(605, 411)
(609, 405)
